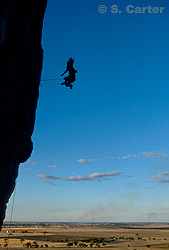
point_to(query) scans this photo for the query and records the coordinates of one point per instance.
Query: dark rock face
(21, 58)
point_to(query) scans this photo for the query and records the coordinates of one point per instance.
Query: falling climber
(72, 74)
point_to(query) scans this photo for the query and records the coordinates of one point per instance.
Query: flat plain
(75, 236)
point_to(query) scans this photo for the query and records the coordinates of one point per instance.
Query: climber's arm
(64, 72)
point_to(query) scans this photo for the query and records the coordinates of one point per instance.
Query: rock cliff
(21, 58)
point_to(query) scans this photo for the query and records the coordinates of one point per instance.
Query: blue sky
(101, 149)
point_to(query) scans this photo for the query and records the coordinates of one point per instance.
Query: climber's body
(72, 74)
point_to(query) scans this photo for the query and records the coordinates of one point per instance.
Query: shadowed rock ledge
(21, 58)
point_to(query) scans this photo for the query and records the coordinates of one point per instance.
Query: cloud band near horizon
(94, 176)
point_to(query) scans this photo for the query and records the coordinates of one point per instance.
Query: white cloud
(163, 181)
(154, 154)
(94, 176)
(82, 161)
(160, 175)
(146, 154)
(144, 180)
(29, 169)
(129, 156)
(151, 154)
(28, 163)
(148, 187)
(54, 166)
(48, 182)
(49, 177)
(87, 161)
(111, 157)
(164, 154)
(158, 178)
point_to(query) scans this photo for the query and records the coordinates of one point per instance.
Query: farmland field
(66, 236)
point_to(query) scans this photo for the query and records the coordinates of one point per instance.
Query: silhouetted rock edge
(21, 57)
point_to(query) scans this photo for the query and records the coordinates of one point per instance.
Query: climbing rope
(47, 80)
(10, 222)
(55, 79)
